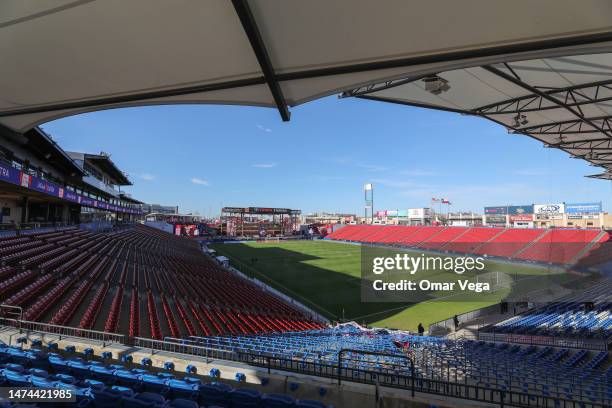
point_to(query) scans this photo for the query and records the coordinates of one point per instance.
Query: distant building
(411, 216)
(41, 184)
(160, 209)
(329, 218)
(549, 215)
(103, 177)
(464, 219)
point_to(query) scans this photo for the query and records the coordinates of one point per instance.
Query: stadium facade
(548, 215)
(43, 185)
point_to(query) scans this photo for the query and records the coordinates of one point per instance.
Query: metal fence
(449, 324)
(553, 341)
(62, 332)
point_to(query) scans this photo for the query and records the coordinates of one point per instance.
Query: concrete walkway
(469, 330)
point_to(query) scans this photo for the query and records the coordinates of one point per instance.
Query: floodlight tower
(368, 190)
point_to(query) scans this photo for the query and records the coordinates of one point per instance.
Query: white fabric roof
(62, 57)
(565, 102)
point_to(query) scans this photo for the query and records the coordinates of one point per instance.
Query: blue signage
(583, 208)
(9, 174)
(520, 209)
(12, 175)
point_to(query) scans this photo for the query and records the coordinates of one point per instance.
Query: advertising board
(520, 209)
(503, 210)
(583, 208)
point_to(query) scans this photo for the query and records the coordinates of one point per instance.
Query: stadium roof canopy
(62, 57)
(564, 102)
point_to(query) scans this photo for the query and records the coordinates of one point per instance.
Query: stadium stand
(522, 375)
(555, 246)
(572, 375)
(442, 238)
(97, 280)
(420, 235)
(101, 385)
(561, 246)
(509, 242)
(601, 254)
(568, 317)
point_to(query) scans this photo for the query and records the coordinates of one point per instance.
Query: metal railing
(63, 331)
(463, 318)
(25, 227)
(393, 377)
(553, 341)
(100, 185)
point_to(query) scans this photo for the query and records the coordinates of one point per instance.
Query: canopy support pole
(252, 31)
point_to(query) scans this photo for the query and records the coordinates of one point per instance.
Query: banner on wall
(521, 218)
(17, 177)
(549, 211)
(520, 209)
(583, 208)
(9, 174)
(496, 210)
(496, 219)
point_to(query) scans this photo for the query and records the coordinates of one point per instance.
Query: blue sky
(202, 157)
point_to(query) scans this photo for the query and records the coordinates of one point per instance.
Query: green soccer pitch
(326, 277)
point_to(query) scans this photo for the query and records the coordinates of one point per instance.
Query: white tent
(62, 57)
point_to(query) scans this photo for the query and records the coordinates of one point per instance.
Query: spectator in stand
(421, 329)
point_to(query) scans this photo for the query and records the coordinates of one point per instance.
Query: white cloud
(147, 176)
(143, 176)
(199, 181)
(264, 129)
(264, 165)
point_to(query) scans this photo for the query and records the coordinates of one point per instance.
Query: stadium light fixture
(435, 84)
(520, 119)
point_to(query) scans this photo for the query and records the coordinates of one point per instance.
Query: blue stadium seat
(245, 398)
(134, 402)
(183, 389)
(277, 401)
(106, 399)
(183, 403)
(310, 404)
(154, 383)
(214, 394)
(154, 398)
